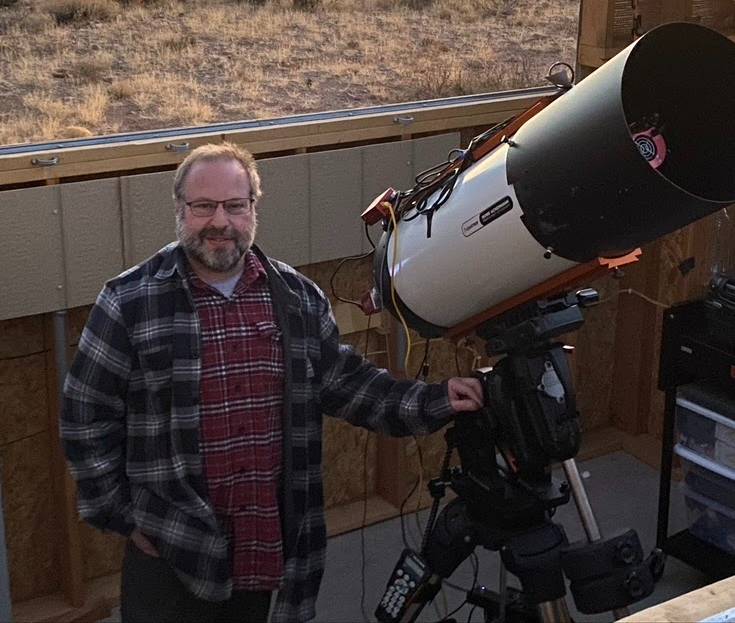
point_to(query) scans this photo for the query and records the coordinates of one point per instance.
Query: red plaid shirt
(241, 409)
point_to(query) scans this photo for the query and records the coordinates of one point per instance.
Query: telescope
(641, 147)
(497, 241)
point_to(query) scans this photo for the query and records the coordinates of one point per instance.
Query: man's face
(218, 242)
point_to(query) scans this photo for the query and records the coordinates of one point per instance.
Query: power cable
(393, 287)
(364, 498)
(351, 258)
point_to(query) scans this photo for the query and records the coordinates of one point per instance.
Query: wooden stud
(392, 482)
(71, 563)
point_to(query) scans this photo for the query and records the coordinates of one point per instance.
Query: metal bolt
(59, 287)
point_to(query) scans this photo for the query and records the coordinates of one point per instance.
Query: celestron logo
(488, 215)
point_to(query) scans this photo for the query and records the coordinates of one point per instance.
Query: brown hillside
(79, 67)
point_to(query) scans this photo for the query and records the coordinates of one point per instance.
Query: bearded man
(193, 412)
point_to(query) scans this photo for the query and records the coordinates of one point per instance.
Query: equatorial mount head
(524, 329)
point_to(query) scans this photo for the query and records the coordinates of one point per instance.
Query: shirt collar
(253, 272)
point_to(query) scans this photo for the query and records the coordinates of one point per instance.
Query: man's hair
(212, 152)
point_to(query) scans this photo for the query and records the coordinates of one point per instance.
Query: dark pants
(151, 593)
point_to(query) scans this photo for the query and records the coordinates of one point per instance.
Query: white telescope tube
(479, 254)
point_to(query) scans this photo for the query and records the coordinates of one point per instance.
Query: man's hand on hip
(465, 394)
(143, 544)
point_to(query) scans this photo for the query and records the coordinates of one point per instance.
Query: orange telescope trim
(557, 284)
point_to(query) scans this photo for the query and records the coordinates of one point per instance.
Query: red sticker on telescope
(652, 146)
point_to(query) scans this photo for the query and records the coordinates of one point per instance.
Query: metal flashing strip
(229, 127)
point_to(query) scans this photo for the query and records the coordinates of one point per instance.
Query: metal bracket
(178, 147)
(45, 162)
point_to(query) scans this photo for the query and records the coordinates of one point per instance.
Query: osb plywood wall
(710, 245)
(25, 458)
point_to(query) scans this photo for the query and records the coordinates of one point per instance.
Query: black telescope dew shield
(641, 147)
(588, 190)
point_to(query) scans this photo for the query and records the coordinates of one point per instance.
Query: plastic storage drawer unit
(709, 494)
(705, 423)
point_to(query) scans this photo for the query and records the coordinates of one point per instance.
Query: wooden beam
(393, 465)
(596, 20)
(705, 602)
(71, 565)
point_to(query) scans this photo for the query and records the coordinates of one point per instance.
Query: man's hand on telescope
(465, 394)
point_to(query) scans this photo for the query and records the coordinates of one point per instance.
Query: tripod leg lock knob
(611, 573)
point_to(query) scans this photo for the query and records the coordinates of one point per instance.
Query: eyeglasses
(207, 207)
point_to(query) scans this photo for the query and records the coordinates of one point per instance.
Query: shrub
(417, 5)
(36, 23)
(306, 5)
(75, 11)
(93, 68)
(122, 89)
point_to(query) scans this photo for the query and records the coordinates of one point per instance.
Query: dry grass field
(84, 67)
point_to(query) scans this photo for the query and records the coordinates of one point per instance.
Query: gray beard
(217, 260)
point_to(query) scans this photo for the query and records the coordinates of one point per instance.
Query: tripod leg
(585, 513)
(554, 611)
(582, 501)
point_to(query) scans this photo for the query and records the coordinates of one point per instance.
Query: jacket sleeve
(357, 391)
(93, 417)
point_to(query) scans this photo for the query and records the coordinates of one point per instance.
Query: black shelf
(710, 560)
(696, 346)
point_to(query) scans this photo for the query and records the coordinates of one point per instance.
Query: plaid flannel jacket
(130, 422)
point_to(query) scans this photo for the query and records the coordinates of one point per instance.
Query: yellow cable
(393, 288)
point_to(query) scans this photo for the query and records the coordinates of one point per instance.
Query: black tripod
(506, 495)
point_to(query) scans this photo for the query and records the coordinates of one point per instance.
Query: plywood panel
(21, 336)
(350, 452)
(32, 277)
(92, 237)
(335, 200)
(594, 356)
(29, 517)
(352, 280)
(77, 318)
(433, 150)
(283, 213)
(384, 165)
(634, 344)
(23, 405)
(148, 214)
(102, 551)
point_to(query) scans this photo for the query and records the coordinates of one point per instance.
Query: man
(192, 415)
